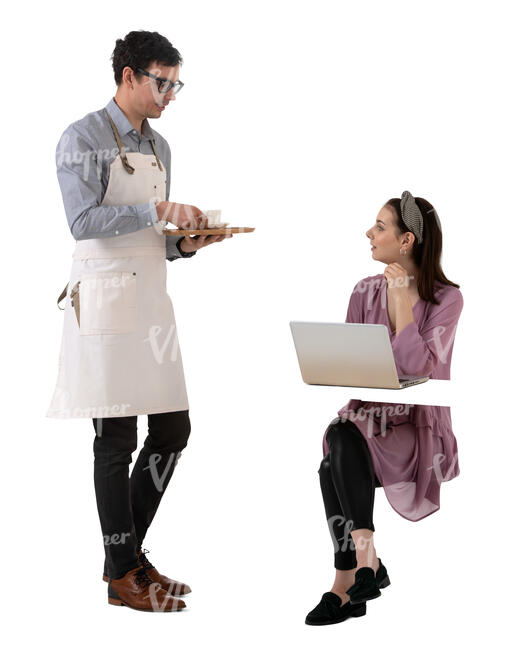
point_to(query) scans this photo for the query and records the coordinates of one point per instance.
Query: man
(119, 356)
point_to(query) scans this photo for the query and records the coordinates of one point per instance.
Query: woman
(407, 449)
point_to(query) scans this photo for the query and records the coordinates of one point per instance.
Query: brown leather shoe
(173, 587)
(137, 590)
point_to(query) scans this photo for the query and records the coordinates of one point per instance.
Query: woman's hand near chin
(397, 281)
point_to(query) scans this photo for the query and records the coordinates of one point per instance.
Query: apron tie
(62, 295)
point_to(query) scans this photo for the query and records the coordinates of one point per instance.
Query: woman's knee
(343, 432)
(324, 467)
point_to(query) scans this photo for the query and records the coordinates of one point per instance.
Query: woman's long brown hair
(427, 255)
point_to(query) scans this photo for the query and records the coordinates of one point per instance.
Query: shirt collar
(123, 124)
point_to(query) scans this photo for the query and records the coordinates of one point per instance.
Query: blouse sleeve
(417, 352)
(355, 306)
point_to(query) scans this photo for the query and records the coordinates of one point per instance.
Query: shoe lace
(142, 579)
(144, 560)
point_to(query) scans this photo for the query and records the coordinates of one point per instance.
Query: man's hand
(190, 244)
(181, 215)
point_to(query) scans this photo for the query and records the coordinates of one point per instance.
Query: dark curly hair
(426, 255)
(140, 48)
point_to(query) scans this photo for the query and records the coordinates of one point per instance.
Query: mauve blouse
(413, 447)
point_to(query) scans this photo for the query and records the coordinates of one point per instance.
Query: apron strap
(122, 153)
(62, 295)
(156, 156)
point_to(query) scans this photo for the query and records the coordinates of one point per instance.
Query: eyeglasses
(164, 85)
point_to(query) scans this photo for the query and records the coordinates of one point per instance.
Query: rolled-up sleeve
(417, 352)
(82, 192)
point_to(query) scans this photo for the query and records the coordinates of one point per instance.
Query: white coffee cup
(213, 217)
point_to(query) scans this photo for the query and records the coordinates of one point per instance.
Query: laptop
(347, 354)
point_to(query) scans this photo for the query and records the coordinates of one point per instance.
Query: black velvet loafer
(367, 584)
(382, 576)
(330, 610)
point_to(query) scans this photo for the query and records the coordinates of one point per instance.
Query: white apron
(123, 358)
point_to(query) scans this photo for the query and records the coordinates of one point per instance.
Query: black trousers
(127, 504)
(348, 483)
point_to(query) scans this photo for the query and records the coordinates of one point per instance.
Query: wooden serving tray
(207, 231)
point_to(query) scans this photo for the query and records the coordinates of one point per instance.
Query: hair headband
(412, 216)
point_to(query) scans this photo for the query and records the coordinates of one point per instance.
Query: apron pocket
(107, 300)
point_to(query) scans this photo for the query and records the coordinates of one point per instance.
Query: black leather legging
(348, 483)
(127, 504)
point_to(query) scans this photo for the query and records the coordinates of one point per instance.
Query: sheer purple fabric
(413, 447)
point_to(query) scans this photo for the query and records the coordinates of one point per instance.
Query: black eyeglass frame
(176, 85)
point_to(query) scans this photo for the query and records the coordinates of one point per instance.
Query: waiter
(119, 354)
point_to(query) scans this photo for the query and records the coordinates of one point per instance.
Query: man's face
(148, 100)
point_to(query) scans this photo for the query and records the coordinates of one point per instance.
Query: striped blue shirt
(84, 153)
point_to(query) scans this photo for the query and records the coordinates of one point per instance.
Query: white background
(300, 119)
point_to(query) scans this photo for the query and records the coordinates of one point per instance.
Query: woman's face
(383, 237)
